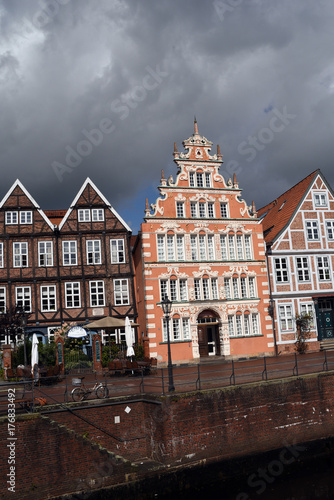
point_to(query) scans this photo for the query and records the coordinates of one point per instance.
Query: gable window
(26, 217)
(312, 230)
(70, 253)
(199, 179)
(20, 251)
(281, 270)
(302, 269)
(231, 246)
(97, 214)
(170, 247)
(211, 211)
(323, 268)
(193, 243)
(207, 179)
(11, 217)
(179, 209)
(96, 293)
(117, 251)
(121, 292)
(211, 251)
(330, 229)
(248, 246)
(72, 295)
(223, 210)
(48, 298)
(93, 252)
(161, 247)
(223, 247)
(202, 211)
(84, 215)
(227, 286)
(193, 209)
(320, 200)
(180, 247)
(23, 297)
(45, 254)
(191, 179)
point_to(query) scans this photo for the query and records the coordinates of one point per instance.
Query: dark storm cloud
(130, 76)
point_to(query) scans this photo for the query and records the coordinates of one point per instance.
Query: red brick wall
(216, 424)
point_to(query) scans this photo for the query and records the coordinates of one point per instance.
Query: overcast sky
(104, 88)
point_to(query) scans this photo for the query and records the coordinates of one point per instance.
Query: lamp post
(167, 307)
(23, 323)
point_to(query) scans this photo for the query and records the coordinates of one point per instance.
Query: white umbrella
(129, 338)
(34, 356)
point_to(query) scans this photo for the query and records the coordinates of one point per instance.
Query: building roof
(277, 214)
(55, 216)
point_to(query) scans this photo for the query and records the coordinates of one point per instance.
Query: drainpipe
(271, 308)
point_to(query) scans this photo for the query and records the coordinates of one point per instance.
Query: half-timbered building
(299, 234)
(202, 246)
(65, 266)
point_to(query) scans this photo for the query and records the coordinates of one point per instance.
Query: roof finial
(218, 150)
(147, 207)
(235, 179)
(175, 147)
(195, 126)
(162, 174)
(253, 207)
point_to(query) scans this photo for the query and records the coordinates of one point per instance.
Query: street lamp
(23, 324)
(167, 307)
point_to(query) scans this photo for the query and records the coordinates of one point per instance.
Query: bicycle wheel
(78, 394)
(102, 392)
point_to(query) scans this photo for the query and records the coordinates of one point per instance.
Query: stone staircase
(326, 345)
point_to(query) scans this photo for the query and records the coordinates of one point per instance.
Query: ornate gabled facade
(202, 246)
(299, 234)
(65, 266)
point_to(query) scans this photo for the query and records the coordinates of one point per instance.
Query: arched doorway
(208, 336)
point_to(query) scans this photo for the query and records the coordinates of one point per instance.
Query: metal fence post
(141, 386)
(232, 377)
(66, 392)
(295, 368)
(264, 373)
(325, 364)
(162, 381)
(198, 381)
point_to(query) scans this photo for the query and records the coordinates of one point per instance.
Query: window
(255, 324)
(197, 283)
(242, 325)
(173, 290)
(312, 230)
(45, 253)
(281, 270)
(231, 326)
(238, 321)
(191, 179)
(3, 305)
(117, 251)
(72, 295)
(48, 298)
(186, 328)
(235, 288)
(202, 211)
(69, 253)
(205, 284)
(206, 288)
(176, 329)
(223, 247)
(202, 247)
(20, 251)
(161, 247)
(23, 297)
(214, 288)
(302, 269)
(211, 211)
(96, 293)
(179, 209)
(231, 246)
(97, 214)
(193, 209)
(1, 254)
(180, 247)
(26, 217)
(11, 217)
(179, 329)
(223, 210)
(243, 287)
(121, 292)
(308, 309)
(323, 268)
(193, 242)
(251, 283)
(84, 215)
(320, 200)
(330, 229)
(211, 251)
(170, 247)
(285, 317)
(207, 180)
(94, 252)
(199, 179)
(248, 246)
(240, 248)
(183, 290)
(227, 286)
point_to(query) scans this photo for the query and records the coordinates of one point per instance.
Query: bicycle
(82, 392)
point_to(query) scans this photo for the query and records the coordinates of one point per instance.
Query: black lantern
(167, 307)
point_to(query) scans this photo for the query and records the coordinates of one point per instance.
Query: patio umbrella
(34, 357)
(129, 338)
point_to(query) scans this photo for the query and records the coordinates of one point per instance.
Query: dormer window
(97, 214)
(11, 218)
(84, 215)
(94, 214)
(320, 200)
(26, 217)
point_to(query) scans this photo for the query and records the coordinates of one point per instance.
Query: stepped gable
(276, 215)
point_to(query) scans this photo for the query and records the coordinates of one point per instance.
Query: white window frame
(207, 177)
(97, 214)
(323, 268)
(117, 248)
(223, 247)
(193, 210)
(308, 308)
(121, 296)
(179, 329)
(96, 293)
(312, 227)
(211, 210)
(180, 212)
(20, 257)
(224, 210)
(72, 294)
(12, 217)
(26, 217)
(303, 270)
(281, 270)
(48, 294)
(70, 252)
(286, 318)
(93, 252)
(161, 248)
(244, 325)
(170, 247)
(191, 179)
(84, 215)
(320, 199)
(199, 179)
(330, 230)
(23, 297)
(3, 299)
(1, 254)
(180, 247)
(43, 252)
